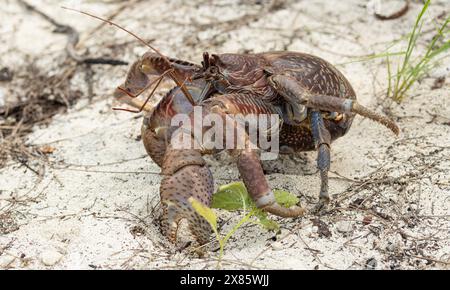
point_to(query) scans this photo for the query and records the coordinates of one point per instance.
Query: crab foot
(322, 140)
(186, 175)
(322, 206)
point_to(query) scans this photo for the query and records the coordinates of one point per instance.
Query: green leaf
(266, 222)
(205, 212)
(233, 196)
(285, 198)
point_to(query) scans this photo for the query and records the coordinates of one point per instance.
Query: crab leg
(294, 92)
(248, 162)
(185, 175)
(322, 140)
(340, 105)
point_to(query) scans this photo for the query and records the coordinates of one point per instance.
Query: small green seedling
(209, 215)
(232, 197)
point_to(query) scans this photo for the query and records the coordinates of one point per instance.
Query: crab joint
(335, 104)
(265, 200)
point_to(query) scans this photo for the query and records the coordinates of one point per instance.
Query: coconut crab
(315, 102)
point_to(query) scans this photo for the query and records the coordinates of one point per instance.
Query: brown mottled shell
(313, 73)
(319, 77)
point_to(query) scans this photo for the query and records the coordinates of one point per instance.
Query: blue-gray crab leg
(322, 140)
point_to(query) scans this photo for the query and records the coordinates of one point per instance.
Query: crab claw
(185, 175)
(278, 210)
(253, 176)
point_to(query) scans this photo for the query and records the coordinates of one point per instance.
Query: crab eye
(213, 70)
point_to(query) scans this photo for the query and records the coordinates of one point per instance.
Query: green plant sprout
(409, 71)
(232, 197)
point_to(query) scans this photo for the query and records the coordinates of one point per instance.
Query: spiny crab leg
(185, 175)
(292, 90)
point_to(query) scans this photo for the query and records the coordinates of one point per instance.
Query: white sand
(93, 207)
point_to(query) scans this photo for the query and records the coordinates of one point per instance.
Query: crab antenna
(183, 88)
(118, 26)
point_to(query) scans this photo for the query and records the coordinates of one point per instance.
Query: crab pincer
(185, 175)
(184, 171)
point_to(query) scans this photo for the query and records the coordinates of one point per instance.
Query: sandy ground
(94, 205)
